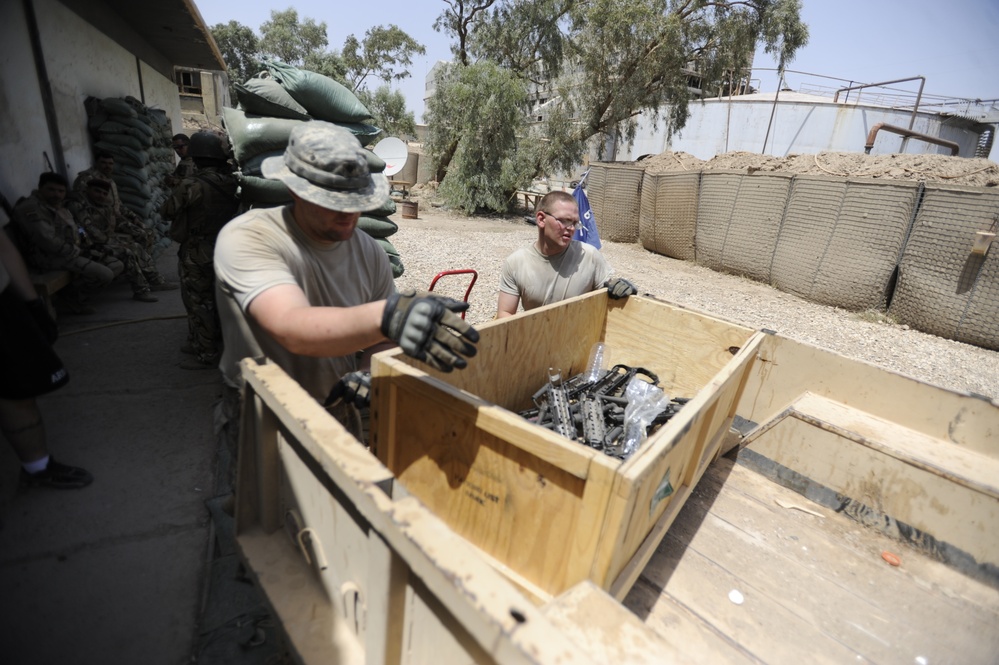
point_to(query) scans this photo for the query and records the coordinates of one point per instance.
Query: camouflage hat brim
(370, 197)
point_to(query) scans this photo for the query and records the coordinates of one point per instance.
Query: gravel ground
(442, 240)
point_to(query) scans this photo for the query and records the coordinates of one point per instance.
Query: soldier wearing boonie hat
(300, 286)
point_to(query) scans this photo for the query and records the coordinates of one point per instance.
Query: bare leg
(21, 423)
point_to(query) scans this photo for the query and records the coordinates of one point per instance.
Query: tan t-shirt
(265, 248)
(541, 280)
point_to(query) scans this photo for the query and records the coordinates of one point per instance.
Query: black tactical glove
(40, 313)
(619, 287)
(428, 328)
(353, 388)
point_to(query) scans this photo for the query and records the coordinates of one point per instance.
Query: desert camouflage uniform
(52, 241)
(202, 204)
(128, 221)
(186, 168)
(102, 242)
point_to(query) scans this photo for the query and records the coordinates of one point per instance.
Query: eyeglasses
(564, 224)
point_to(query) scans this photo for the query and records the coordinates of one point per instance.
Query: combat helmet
(207, 145)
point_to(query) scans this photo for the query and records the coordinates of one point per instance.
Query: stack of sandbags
(140, 140)
(377, 224)
(270, 106)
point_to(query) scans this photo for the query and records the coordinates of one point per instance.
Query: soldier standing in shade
(186, 167)
(199, 207)
(102, 242)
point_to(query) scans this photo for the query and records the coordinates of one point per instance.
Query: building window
(189, 83)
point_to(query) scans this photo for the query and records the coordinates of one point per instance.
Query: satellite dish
(393, 152)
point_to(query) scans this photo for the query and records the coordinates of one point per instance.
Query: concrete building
(56, 53)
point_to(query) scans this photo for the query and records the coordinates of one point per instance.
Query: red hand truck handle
(467, 271)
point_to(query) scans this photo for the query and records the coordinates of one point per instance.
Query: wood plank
(955, 515)
(828, 573)
(858, 548)
(787, 368)
(942, 458)
(691, 639)
(608, 632)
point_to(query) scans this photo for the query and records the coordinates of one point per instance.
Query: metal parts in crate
(591, 409)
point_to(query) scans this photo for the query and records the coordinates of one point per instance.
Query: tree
(238, 46)
(482, 105)
(388, 110)
(602, 62)
(386, 53)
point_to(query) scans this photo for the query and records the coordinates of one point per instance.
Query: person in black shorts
(30, 368)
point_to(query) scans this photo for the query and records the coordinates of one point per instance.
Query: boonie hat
(325, 164)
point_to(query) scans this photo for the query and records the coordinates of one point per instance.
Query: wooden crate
(547, 511)
(354, 568)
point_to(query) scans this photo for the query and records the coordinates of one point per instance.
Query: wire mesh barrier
(668, 216)
(619, 188)
(944, 286)
(738, 219)
(841, 240)
(899, 246)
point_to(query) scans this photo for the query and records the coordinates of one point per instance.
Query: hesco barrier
(834, 241)
(668, 216)
(738, 219)
(617, 217)
(943, 287)
(841, 240)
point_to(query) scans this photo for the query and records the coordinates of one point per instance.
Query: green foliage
(599, 63)
(385, 53)
(388, 107)
(287, 39)
(478, 117)
(239, 47)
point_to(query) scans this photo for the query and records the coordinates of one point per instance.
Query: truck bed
(813, 584)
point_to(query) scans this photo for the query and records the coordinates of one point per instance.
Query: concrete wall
(80, 61)
(802, 127)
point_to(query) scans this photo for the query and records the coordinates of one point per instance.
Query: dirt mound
(976, 172)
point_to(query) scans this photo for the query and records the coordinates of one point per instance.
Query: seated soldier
(95, 215)
(51, 241)
(128, 221)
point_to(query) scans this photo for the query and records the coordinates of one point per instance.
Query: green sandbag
(123, 140)
(393, 255)
(364, 133)
(126, 182)
(253, 135)
(375, 163)
(262, 190)
(111, 127)
(388, 208)
(136, 158)
(252, 165)
(142, 175)
(266, 97)
(120, 107)
(377, 227)
(322, 97)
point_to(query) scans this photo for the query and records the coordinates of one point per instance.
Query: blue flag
(587, 229)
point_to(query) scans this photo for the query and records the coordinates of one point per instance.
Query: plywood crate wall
(547, 511)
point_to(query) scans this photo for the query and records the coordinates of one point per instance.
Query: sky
(953, 43)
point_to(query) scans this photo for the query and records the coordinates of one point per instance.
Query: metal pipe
(919, 95)
(954, 148)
